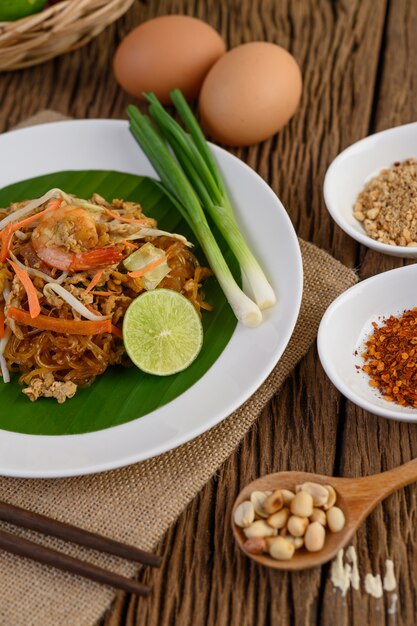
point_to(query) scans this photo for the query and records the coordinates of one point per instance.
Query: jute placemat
(138, 503)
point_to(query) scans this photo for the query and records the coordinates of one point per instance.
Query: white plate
(345, 326)
(246, 361)
(352, 169)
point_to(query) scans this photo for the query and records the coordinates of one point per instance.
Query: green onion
(177, 187)
(197, 161)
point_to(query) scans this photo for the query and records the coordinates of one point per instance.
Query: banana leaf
(121, 394)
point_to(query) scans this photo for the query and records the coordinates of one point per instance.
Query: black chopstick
(48, 556)
(28, 519)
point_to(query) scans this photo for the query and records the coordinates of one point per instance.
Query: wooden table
(359, 62)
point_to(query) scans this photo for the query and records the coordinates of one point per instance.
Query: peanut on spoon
(309, 517)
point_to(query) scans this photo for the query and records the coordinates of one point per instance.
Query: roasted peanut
(278, 520)
(259, 528)
(331, 500)
(281, 549)
(273, 503)
(297, 542)
(314, 537)
(244, 514)
(258, 498)
(287, 496)
(297, 525)
(281, 521)
(255, 545)
(318, 515)
(335, 519)
(318, 492)
(302, 504)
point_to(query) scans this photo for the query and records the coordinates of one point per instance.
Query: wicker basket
(63, 27)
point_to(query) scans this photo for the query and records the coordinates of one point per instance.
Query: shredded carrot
(51, 207)
(92, 309)
(116, 331)
(106, 293)
(129, 244)
(59, 325)
(148, 268)
(116, 216)
(33, 300)
(94, 282)
(6, 235)
(2, 318)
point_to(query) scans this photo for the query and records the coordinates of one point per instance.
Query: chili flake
(390, 358)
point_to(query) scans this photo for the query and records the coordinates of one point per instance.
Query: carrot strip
(33, 300)
(148, 268)
(129, 220)
(116, 331)
(2, 319)
(6, 236)
(94, 282)
(129, 244)
(106, 293)
(59, 325)
(51, 207)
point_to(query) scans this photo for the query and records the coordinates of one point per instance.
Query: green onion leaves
(191, 178)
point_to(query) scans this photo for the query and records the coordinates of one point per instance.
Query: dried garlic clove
(259, 528)
(315, 537)
(244, 514)
(318, 492)
(331, 499)
(281, 549)
(258, 498)
(273, 503)
(335, 519)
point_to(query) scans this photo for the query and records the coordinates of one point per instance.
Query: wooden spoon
(357, 497)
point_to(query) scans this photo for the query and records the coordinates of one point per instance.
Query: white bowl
(353, 167)
(346, 324)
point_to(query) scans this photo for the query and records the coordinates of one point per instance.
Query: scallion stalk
(199, 164)
(176, 185)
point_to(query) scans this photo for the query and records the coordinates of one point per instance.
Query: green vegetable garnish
(198, 163)
(180, 190)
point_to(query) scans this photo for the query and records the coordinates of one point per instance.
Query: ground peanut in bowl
(387, 206)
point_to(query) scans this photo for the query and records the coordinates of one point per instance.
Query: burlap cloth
(138, 503)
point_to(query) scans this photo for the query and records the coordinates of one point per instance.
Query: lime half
(16, 9)
(162, 332)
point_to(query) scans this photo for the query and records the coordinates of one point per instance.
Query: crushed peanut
(387, 206)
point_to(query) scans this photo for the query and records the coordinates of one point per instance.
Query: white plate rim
(89, 466)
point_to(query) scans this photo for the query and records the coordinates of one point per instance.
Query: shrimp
(67, 239)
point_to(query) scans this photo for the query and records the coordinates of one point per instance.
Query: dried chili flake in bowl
(390, 357)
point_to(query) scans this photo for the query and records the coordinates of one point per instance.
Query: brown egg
(250, 94)
(167, 52)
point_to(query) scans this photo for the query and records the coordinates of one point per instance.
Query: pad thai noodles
(69, 268)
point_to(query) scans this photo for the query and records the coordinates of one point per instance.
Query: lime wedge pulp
(162, 332)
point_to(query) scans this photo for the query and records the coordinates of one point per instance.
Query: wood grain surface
(359, 63)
